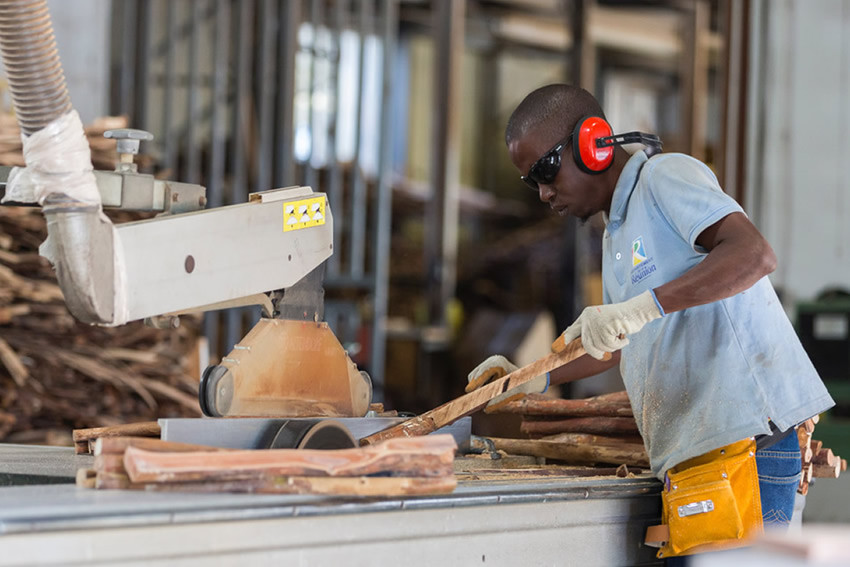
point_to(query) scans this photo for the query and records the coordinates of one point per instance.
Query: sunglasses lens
(545, 170)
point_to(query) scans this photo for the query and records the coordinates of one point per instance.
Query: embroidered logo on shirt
(638, 251)
(642, 264)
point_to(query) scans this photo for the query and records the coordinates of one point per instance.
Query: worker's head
(539, 139)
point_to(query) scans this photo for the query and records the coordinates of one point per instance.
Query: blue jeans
(779, 469)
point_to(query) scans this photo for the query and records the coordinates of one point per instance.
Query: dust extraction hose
(33, 68)
(81, 239)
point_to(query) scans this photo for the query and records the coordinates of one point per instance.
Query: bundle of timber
(597, 430)
(608, 414)
(404, 466)
(57, 374)
(818, 461)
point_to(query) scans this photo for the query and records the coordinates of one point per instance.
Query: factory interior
(310, 378)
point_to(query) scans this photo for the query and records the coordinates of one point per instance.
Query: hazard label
(303, 214)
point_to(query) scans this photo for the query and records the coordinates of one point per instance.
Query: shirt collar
(625, 185)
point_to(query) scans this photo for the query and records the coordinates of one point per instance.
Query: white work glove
(494, 368)
(605, 328)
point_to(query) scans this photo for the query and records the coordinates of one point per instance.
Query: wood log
(83, 437)
(824, 457)
(804, 488)
(809, 426)
(535, 404)
(826, 470)
(470, 403)
(597, 425)
(632, 455)
(808, 472)
(843, 465)
(816, 446)
(430, 456)
(806, 454)
(804, 438)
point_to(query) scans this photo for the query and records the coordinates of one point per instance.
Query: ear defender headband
(594, 141)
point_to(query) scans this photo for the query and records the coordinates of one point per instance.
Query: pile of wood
(405, 466)
(57, 374)
(588, 431)
(818, 461)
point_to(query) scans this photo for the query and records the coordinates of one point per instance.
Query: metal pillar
(442, 210)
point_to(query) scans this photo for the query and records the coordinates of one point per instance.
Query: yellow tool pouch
(711, 502)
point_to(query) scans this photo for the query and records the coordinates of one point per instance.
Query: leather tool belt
(709, 502)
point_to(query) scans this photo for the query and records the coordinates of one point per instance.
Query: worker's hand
(605, 328)
(494, 368)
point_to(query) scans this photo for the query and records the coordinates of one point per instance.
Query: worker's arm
(738, 257)
(582, 367)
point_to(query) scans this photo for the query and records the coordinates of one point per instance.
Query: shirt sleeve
(688, 196)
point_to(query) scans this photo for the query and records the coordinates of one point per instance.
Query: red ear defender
(588, 156)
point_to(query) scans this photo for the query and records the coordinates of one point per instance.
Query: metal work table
(587, 521)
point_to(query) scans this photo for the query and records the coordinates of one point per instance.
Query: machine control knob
(128, 140)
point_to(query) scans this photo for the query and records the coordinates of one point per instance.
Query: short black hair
(552, 110)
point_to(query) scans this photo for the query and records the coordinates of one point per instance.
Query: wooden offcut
(467, 404)
(430, 456)
(85, 438)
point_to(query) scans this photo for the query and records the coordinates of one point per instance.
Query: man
(705, 349)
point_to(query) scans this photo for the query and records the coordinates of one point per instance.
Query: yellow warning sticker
(303, 214)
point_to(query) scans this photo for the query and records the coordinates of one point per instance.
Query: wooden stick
(590, 439)
(535, 404)
(13, 364)
(511, 474)
(143, 429)
(117, 445)
(621, 396)
(470, 403)
(421, 457)
(633, 455)
(600, 425)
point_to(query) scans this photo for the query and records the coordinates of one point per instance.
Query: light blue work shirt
(706, 376)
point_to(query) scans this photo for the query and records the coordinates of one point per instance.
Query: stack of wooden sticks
(818, 461)
(594, 430)
(404, 466)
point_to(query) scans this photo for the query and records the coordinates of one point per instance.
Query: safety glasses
(545, 170)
